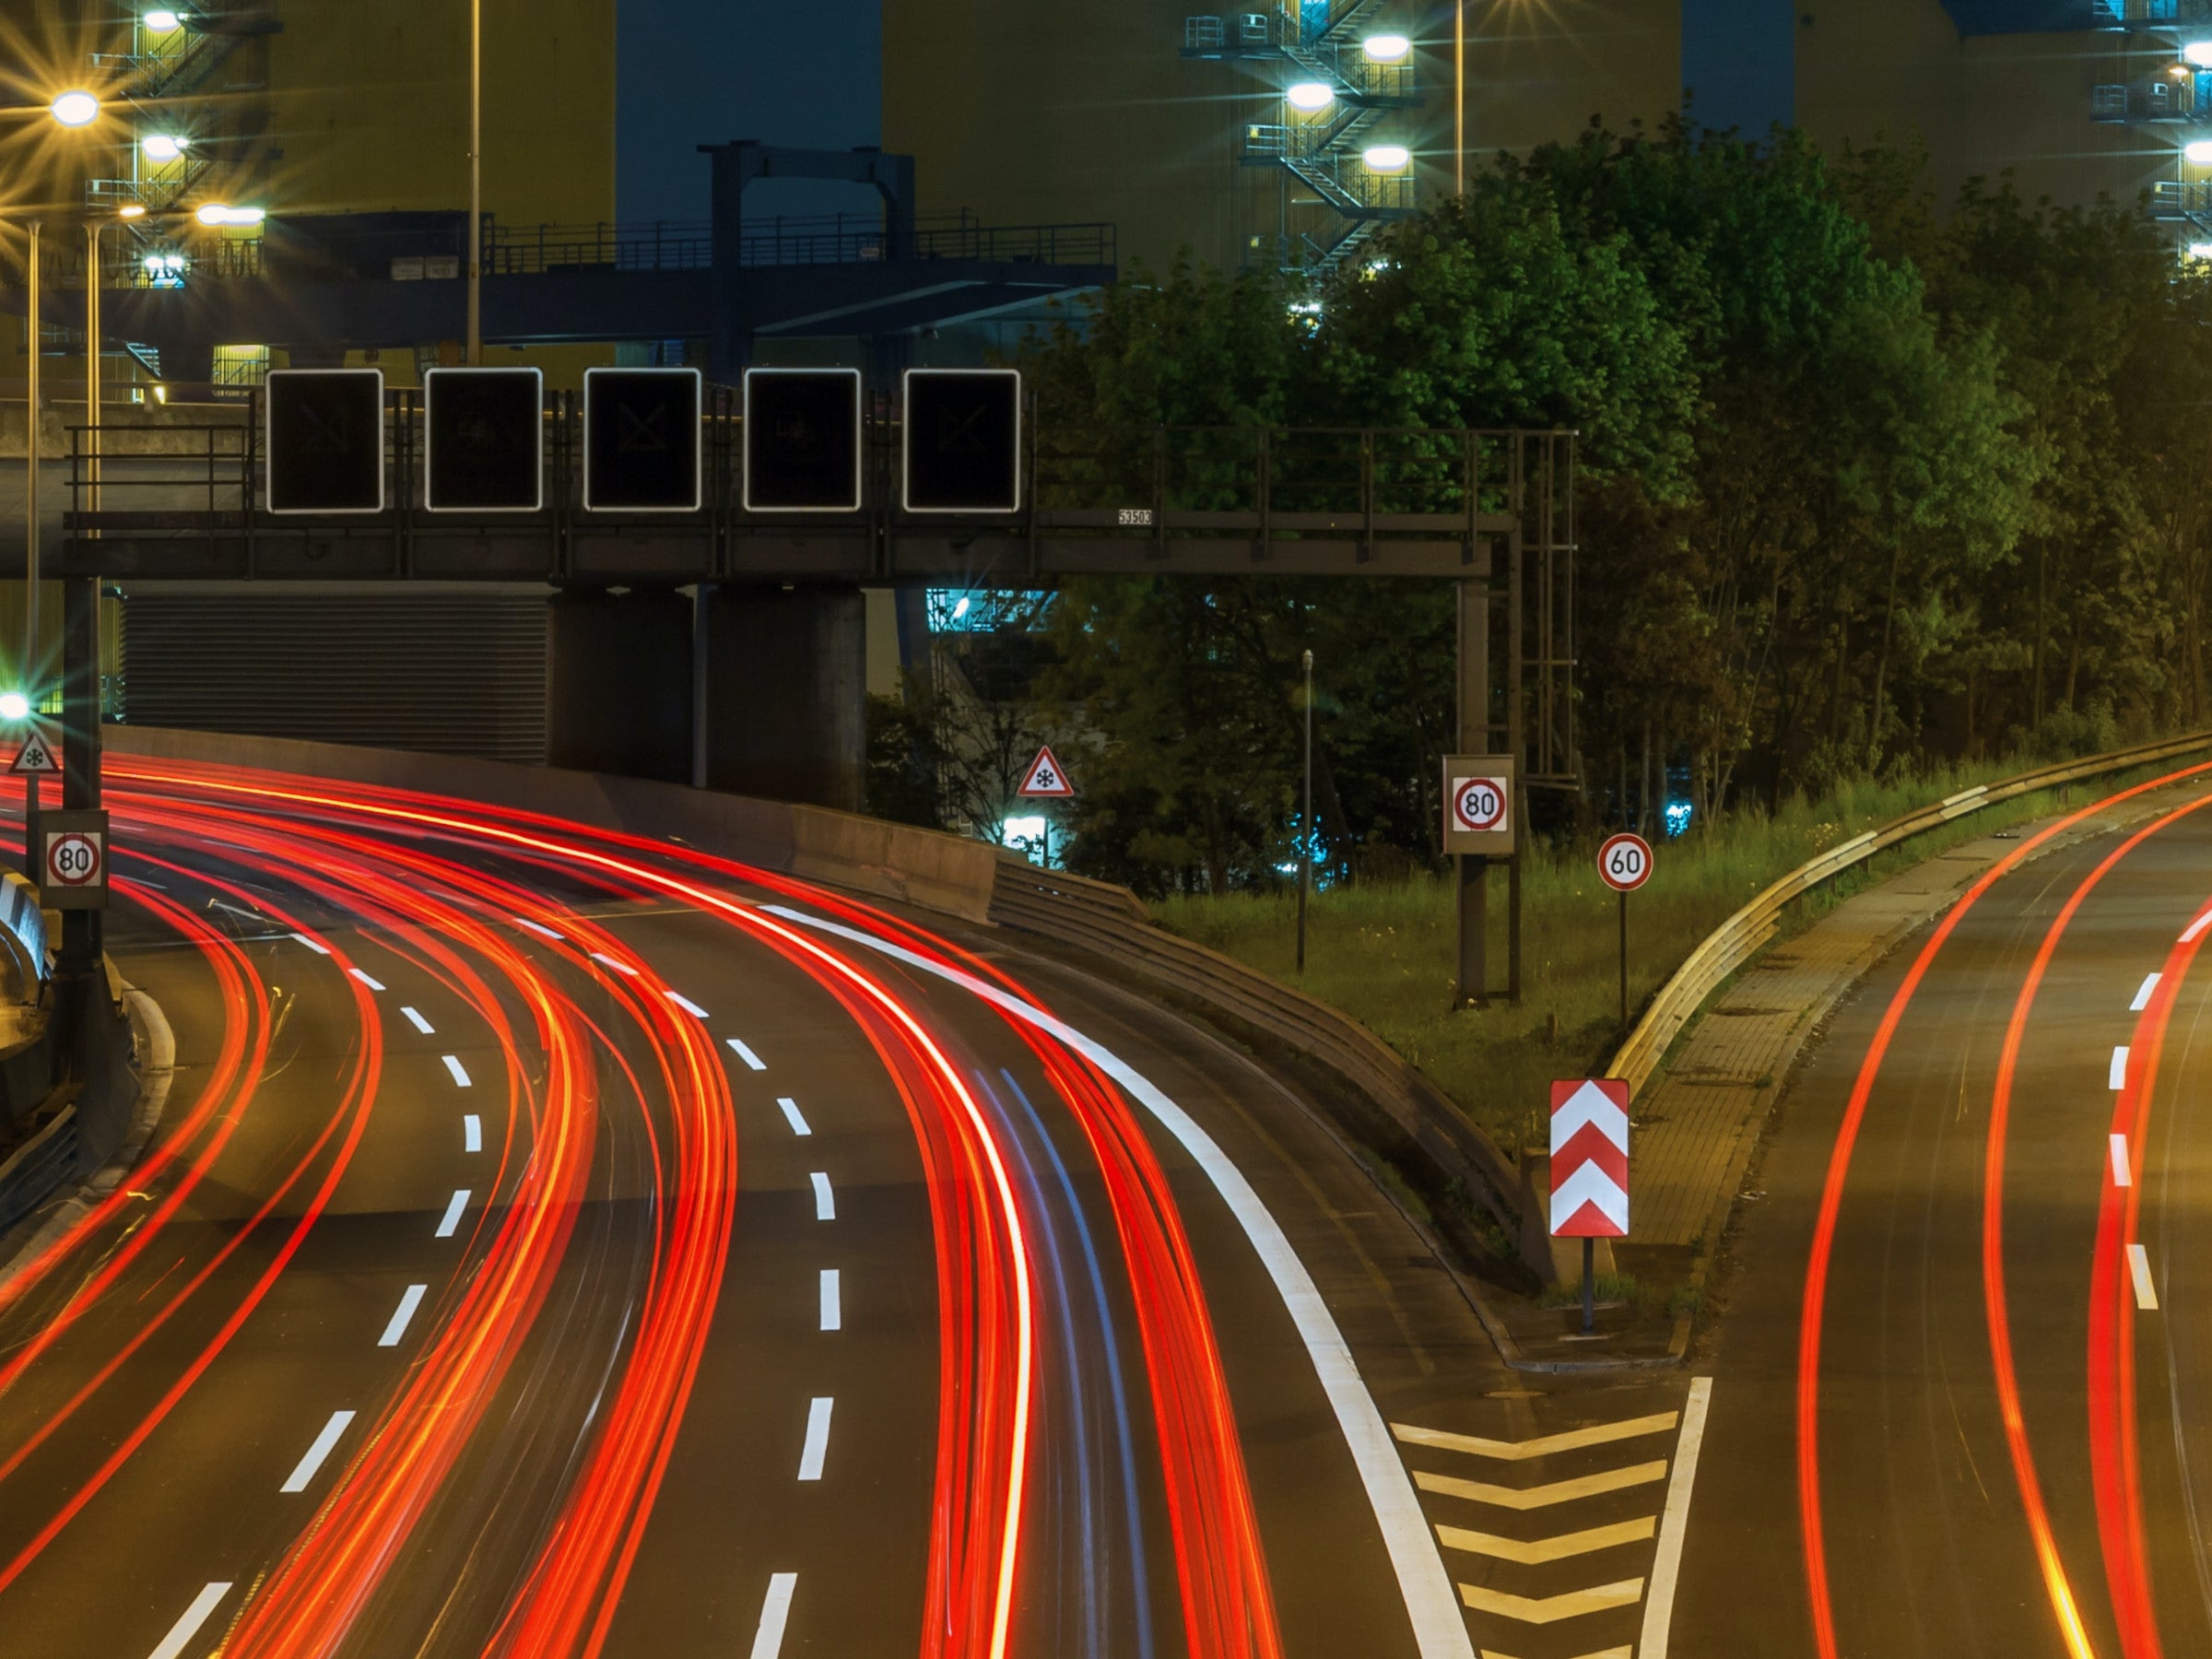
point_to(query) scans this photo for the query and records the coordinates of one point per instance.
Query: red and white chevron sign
(1590, 1158)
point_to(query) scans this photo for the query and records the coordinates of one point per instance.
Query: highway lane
(1974, 1438)
(658, 1446)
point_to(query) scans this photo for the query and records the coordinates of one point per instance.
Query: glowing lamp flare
(1386, 48)
(162, 22)
(2199, 52)
(13, 705)
(2200, 153)
(76, 109)
(161, 146)
(1309, 96)
(1388, 158)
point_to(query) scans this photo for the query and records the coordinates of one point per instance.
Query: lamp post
(475, 182)
(31, 547)
(1305, 821)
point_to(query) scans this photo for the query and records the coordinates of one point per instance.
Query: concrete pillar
(618, 683)
(784, 694)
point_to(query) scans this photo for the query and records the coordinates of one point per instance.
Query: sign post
(1046, 780)
(1590, 1170)
(1624, 863)
(1482, 816)
(34, 761)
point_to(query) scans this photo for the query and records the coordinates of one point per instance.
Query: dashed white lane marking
(746, 1055)
(2196, 927)
(2122, 1174)
(775, 1611)
(825, 1202)
(452, 1063)
(538, 928)
(373, 984)
(1439, 1630)
(450, 1221)
(605, 960)
(2117, 1076)
(314, 945)
(817, 1439)
(398, 1328)
(687, 1005)
(2150, 983)
(2139, 1269)
(180, 1633)
(833, 1312)
(324, 1442)
(792, 1116)
(419, 1023)
(472, 1134)
(1674, 1522)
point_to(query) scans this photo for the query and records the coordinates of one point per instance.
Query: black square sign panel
(641, 440)
(963, 440)
(326, 440)
(485, 434)
(801, 439)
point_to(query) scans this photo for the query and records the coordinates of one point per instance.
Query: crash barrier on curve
(22, 939)
(1746, 934)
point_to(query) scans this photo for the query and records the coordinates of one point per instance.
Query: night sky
(1738, 62)
(691, 72)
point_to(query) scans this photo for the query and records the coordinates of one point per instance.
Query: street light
(162, 146)
(1388, 158)
(2199, 52)
(2199, 154)
(75, 109)
(217, 214)
(1311, 96)
(1386, 48)
(163, 22)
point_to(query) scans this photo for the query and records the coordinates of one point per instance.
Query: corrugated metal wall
(451, 671)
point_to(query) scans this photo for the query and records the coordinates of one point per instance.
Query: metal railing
(2155, 14)
(2164, 99)
(1752, 928)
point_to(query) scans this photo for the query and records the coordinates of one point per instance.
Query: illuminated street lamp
(2198, 154)
(75, 109)
(163, 22)
(1388, 158)
(2199, 52)
(162, 146)
(1386, 48)
(218, 215)
(1311, 96)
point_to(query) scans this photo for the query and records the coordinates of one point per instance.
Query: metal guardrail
(39, 1166)
(1114, 922)
(1749, 931)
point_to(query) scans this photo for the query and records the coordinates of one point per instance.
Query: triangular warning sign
(1046, 776)
(36, 756)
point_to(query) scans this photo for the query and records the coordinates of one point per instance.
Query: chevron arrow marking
(1550, 1609)
(1589, 1188)
(1619, 1652)
(1536, 1551)
(1591, 1105)
(1573, 1440)
(1542, 1497)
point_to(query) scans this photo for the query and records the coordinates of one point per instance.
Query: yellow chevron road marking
(1619, 1652)
(1550, 1609)
(1540, 1497)
(1574, 1440)
(1557, 1548)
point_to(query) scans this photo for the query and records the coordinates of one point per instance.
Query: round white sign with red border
(1624, 863)
(1478, 804)
(74, 860)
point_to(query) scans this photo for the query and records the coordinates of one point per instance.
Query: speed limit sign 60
(1478, 804)
(72, 864)
(1624, 863)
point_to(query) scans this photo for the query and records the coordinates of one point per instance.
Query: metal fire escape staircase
(2178, 94)
(1322, 149)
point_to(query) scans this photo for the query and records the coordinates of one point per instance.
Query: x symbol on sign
(956, 434)
(326, 433)
(644, 434)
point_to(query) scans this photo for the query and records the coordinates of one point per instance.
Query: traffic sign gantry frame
(928, 398)
(606, 384)
(524, 391)
(313, 413)
(765, 449)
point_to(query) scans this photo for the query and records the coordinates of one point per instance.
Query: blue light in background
(1677, 817)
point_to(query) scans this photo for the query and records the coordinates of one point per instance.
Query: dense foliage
(1866, 486)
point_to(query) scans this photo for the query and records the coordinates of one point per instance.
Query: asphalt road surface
(559, 1245)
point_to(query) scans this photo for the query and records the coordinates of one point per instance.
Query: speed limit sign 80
(72, 864)
(1478, 804)
(1624, 862)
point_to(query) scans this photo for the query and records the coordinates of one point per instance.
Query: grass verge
(1386, 954)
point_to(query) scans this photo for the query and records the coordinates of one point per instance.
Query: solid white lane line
(2139, 1269)
(450, 1222)
(792, 1115)
(603, 957)
(2117, 1076)
(2150, 983)
(372, 985)
(768, 1642)
(472, 1134)
(825, 1203)
(817, 1439)
(398, 1328)
(1431, 1605)
(1659, 1598)
(324, 1442)
(314, 945)
(746, 1055)
(452, 1063)
(2122, 1174)
(833, 1312)
(538, 928)
(687, 1005)
(419, 1022)
(180, 1633)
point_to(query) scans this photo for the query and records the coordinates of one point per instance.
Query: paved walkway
(1697, 1123)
